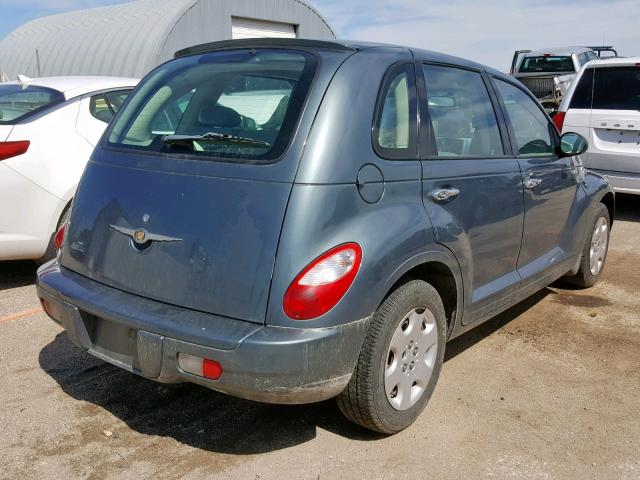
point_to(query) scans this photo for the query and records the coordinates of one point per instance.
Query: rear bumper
(263, 363)
(622, 182)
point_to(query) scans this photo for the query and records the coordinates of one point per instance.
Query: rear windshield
(547, 64)
(613, 88)
(20, 101)
(240, 105)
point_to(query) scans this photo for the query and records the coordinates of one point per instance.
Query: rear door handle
(444, 194)
(532, 182)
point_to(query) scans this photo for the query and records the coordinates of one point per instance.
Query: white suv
(48, 129)
(603, 105)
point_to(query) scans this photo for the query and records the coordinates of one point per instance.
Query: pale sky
(486, 31)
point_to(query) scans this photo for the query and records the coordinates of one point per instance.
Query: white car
(48, 129)
(603, 105)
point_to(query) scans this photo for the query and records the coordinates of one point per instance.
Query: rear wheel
(400, 360)
(594, 253)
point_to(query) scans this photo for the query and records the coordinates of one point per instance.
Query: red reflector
(13, 149)
(46, 306)
(547, 55)
(558, 120)
(59, 237)
(323, 283)
(211, 369)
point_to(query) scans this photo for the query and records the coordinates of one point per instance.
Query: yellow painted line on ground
(19, 315)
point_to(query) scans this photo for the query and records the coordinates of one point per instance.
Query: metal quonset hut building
(132, 38)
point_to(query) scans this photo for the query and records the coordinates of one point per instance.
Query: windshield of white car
(547, 63)
(20, 101)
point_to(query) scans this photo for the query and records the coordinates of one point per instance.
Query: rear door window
(239, 105)
(583, 92)
(532, 129)
(463, 120)
(18, 102)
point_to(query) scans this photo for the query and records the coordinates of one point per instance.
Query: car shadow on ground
(17, 274)
(208, 420)
(627, 208)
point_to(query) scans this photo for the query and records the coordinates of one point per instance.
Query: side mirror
(572, 144)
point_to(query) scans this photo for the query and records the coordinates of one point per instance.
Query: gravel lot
(550, 389)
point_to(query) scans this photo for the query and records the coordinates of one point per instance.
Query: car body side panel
(394, 234)
(57, 154)
(5, 130)
(326, 208)
(554, 211)
(596, 188)
(340, 143)
(29, 216)
(484, 238)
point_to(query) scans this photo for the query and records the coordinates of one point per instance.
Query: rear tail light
(13, 149)
(321, 285)
(558, 120)
(58, 239)
(203, 367)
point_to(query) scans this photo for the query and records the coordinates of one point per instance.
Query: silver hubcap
(599, 241)
(411, 357)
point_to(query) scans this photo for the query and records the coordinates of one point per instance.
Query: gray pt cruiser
(294, 220)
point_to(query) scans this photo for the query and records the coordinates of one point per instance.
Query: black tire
(365, 401)
(585, 278)
(50, 253)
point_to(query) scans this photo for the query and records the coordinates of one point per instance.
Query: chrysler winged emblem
(141, 236)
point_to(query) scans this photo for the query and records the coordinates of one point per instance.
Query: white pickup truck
(548, 73)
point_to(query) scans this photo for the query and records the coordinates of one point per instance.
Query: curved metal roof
(130, 39)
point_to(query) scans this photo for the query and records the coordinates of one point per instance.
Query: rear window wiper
(188, 140)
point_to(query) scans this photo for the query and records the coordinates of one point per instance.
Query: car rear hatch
(615, 141)
(183, 202)
(615, 119)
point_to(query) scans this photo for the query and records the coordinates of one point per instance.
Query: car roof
(558, 51)
(615, 62)
(340, 45)
(73, 87)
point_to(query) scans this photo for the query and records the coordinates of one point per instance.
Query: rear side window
(532, 129)
(17, 102)
(239, 105)
(105, 105)
(463, 119)
(394, 131)
(547, 63)
(583, 92)
(613, 88)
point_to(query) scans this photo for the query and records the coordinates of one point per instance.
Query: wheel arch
(609, 201)
(441, 270)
